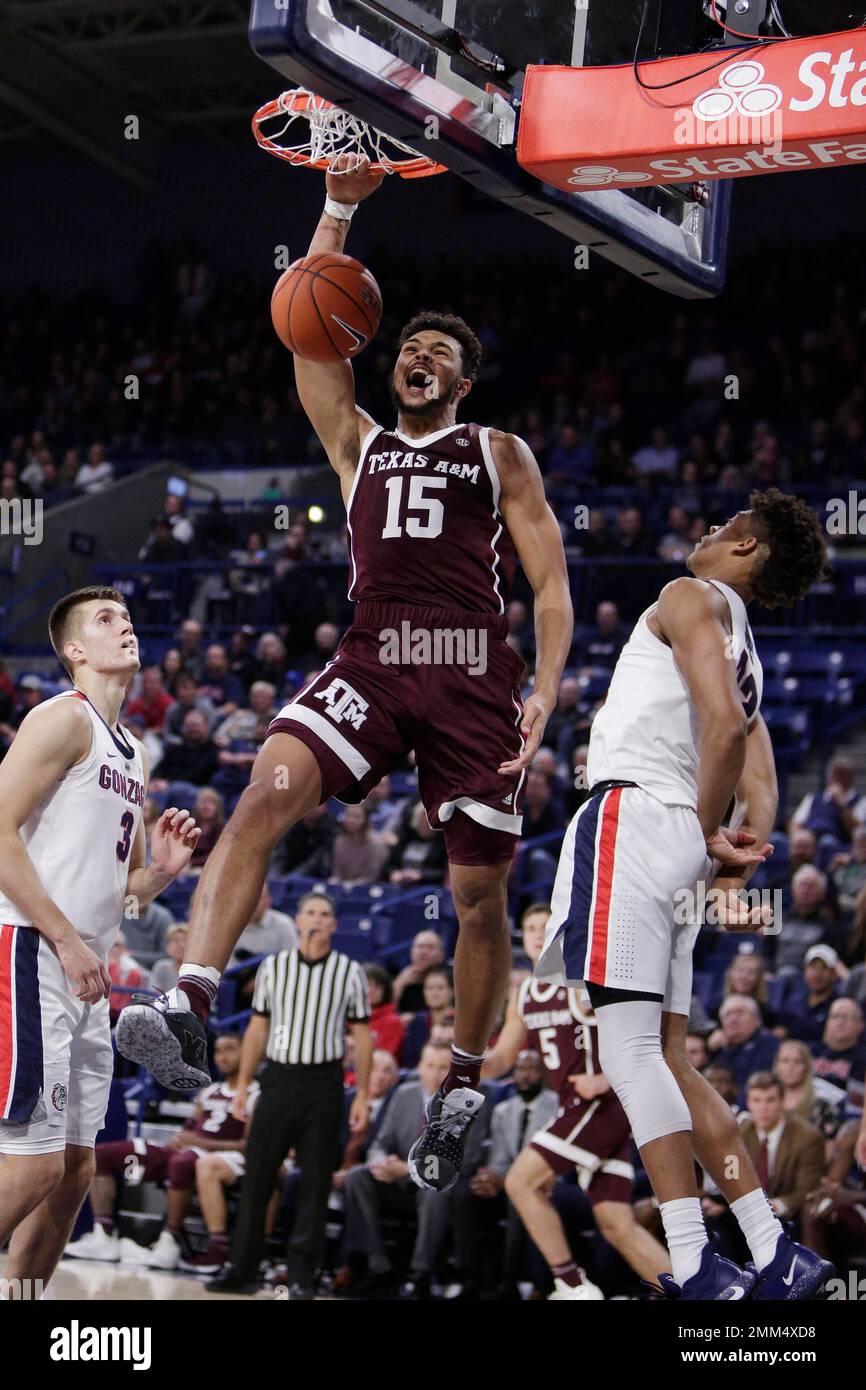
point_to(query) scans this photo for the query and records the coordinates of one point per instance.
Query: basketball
(326, 307)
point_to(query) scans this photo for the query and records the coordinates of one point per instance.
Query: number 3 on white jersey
(416, 502)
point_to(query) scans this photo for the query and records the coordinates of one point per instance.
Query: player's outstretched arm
(537, 539)
(50, 741)
(692, 617)
(327, 389)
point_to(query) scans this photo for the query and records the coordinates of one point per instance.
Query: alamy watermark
(852, 1290)
(734, 131)
(77, 1343)
(711, 905)
(438, 646)
(846, 516)
(21, 1290)
(21, 516)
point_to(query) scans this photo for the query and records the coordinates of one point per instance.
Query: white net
(325, 131)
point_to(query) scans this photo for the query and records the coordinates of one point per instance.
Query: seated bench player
(213, 1134)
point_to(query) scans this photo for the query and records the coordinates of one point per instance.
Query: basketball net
(328, 131)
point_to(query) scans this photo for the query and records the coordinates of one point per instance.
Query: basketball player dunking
(679, 738)
(438, 513)
(72, 851)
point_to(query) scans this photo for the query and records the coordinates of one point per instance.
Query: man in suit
(747, 1047)
(787, 1151)
(384, 1078)
(512, 1125)
(382, 1186)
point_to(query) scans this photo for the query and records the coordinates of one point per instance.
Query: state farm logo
(597, 175)
(741, 91)
(811, 116)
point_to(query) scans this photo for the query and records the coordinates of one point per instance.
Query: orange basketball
(326, 307)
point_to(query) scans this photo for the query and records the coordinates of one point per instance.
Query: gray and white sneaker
(171, 1042)
(436, 1156)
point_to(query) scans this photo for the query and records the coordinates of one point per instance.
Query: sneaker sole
(415, 1174)
(92, 1259)
(143, 1036)
(810, 1288)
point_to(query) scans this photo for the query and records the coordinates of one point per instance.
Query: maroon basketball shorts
(137, 1161)
(440, 682)
(592, 1136)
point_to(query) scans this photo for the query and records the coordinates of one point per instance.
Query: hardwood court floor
(92, 1281)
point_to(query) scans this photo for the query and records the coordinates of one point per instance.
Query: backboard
(446, 77)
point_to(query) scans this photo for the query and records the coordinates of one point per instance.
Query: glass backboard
(446, 76)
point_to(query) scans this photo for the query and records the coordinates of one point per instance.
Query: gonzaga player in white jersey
(72, 848)
(679, 739)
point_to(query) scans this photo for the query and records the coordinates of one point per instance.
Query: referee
(301, 1002)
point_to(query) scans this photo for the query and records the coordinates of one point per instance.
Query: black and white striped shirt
(308, 1003)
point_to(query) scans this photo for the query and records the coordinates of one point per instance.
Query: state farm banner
(776, 107)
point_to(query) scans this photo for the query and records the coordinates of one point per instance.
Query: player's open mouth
(418, 379)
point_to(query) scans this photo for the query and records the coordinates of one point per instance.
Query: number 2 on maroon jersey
(126, 824)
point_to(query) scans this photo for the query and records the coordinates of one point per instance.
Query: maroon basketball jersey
(561, 1029)
(424, 522)
(217, 1120)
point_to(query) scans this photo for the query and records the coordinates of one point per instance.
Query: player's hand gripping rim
(350, 178)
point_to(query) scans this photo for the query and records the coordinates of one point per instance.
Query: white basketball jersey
(648, 730)
(80, 837)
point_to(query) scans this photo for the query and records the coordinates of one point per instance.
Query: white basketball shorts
(56, 1058)
(625, 860)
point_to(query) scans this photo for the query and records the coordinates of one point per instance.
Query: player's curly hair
(455, 327)
(796, 550)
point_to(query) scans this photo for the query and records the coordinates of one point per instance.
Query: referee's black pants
(300, 1108)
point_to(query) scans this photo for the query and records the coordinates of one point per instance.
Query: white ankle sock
(207, 976)
(759, 1224)
(686, 1235)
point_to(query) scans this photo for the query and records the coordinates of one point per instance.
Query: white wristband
(344, 211)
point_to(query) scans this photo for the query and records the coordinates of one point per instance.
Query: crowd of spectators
(690, 411)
